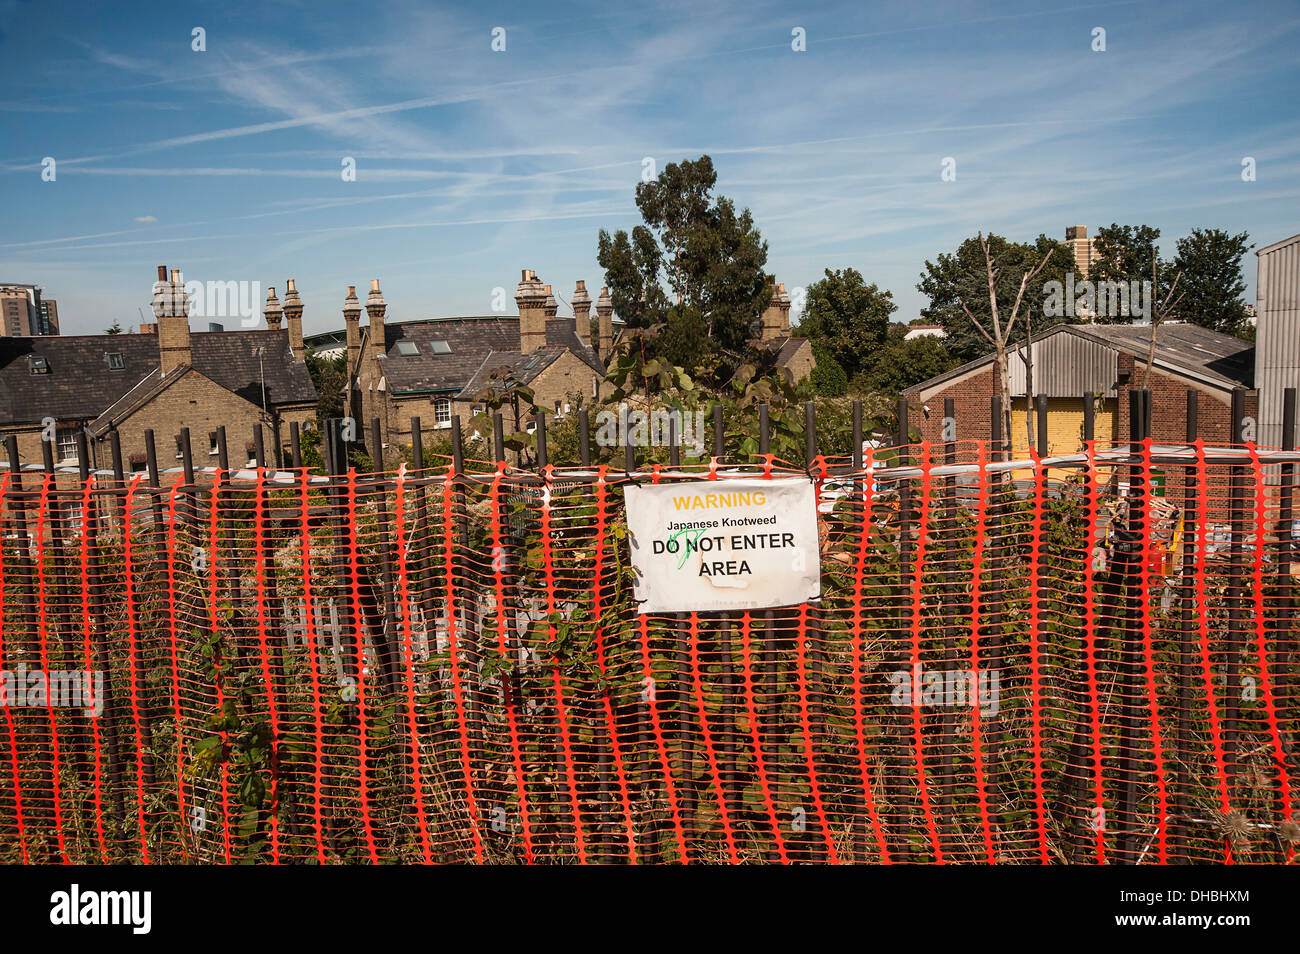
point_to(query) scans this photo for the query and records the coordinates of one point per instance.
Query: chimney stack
(352, 321)
(776, 316)
(293, 320)
(272, 311)
(605, 323)
(172, 309)
(582, 312)
(375, 309)
(531, 297)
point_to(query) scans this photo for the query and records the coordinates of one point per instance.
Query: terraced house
(439, 367)
(163, 379)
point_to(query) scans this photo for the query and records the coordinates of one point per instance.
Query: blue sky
(473, 164)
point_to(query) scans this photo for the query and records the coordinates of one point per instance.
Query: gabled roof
(1277, 245)
(1224, 358)
(153, 384)
(497, 365)
(230, 358)
(470, 340)
(1220, 359)
(784, 348)
(80, 384)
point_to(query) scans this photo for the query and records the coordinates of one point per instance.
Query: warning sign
(724, 544)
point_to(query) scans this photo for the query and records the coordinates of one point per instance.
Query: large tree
(847, 317)
(1129, 253)
(963, 277)
(899, 363)
(695, 256)
(1209, 263)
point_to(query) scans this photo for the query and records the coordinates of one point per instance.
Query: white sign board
(724, 544)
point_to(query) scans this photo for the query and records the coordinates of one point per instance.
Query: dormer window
(115, 362)
(37, 364)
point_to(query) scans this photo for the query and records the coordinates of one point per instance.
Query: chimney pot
(162, 273)
(176, 274)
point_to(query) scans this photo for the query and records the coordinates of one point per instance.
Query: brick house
(162, 380)
(436, 368)
(1108, 361)
(787, 351)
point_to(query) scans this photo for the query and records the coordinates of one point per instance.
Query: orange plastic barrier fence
(1087, 660)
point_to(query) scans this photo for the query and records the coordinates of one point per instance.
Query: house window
(213, 449)
(439, 347)
(67, 444)
(36, 364)
(115, 362)
(407, 348)
(442, 412)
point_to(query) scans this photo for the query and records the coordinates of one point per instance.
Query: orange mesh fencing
(1083, 659)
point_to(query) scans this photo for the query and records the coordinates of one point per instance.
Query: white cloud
(144, 218)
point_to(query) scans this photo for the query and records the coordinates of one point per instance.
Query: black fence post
(540, 433)
(584, 437)
(950, 596)
(1042, 424)
(1237, 610)
(1130, 550)
(1189, 645)
(1288, 644)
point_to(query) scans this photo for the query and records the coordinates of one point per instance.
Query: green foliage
(1124, 253)
(899, 364)
(828, 378)
(962, 276)
(847, 317)
(709, 256)
(1210, 283)
(330, 378)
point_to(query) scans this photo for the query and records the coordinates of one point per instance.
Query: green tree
(330, 377)
(709, 256)
(963, 277)
(900, 363)
(114, 329)
(1123, 253)
(848, 318)
(1208, 262)
(828, 377)
(1130, 253)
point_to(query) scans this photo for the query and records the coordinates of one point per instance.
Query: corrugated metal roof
(1067, 368)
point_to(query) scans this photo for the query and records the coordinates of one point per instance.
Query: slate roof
(785, 348)
(472, 340)
(80, 385)
(496, 364)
